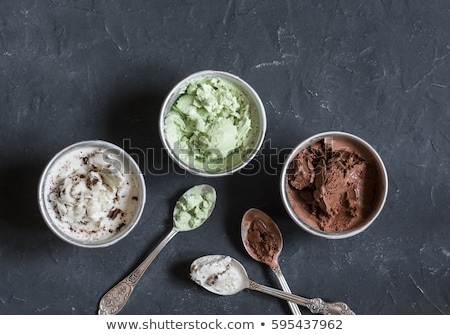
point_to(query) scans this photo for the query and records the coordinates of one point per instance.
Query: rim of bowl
(249, 91)
(382, 197)
(42, 194)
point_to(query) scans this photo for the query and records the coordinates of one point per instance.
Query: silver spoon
(224, 275)
(263, 241)
(193, 199)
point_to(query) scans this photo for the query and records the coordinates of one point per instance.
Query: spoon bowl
(192, 209)
(219, 274)
(224, 275)
(261, 237)
(263, 241)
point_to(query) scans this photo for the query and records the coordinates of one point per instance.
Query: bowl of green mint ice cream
(212, 123)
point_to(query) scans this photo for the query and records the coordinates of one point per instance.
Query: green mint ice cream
(210, 126)
(194, 207)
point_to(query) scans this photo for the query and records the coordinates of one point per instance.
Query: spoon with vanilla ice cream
(224, 275)
(192, 209)
(263, 241)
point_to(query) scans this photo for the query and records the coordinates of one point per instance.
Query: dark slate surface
(78, 70)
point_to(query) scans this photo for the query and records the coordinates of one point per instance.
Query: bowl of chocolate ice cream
(334, 185)
(91, 194)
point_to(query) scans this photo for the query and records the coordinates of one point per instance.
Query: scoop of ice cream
(85, 198)
(91, 198)
(331, 186)
(192, 209)
(208, 122)
(216, 274)
(262, 241)
(261, 237)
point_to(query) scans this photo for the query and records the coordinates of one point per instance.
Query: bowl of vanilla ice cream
(91, 194)
(212, 123)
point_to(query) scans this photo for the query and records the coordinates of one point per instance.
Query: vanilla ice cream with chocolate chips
(90, 195)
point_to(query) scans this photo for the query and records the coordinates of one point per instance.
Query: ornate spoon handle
(293, 306)
(114, 300)
(316, 305)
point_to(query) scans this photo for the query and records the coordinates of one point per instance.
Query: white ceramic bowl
(61, 164)
(258, 131)
(377, 204)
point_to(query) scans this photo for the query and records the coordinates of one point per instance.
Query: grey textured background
(78, 70)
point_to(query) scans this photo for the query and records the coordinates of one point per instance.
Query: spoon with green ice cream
(192, 209)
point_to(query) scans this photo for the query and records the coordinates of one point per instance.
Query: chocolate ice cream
(262, 239)
(332, 184)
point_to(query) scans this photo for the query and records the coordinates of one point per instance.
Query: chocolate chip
(113, 213)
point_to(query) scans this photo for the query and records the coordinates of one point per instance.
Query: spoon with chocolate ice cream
(263, 241)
